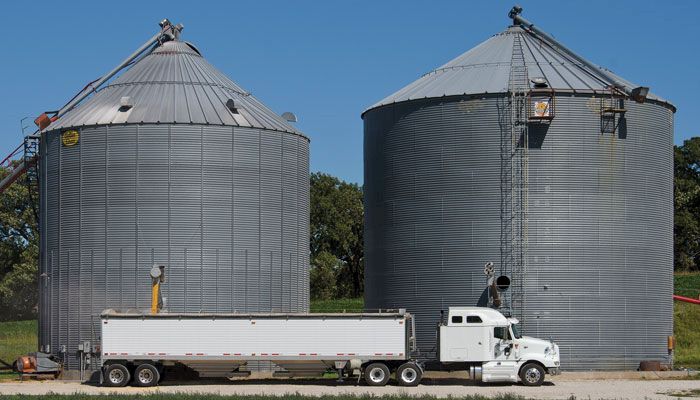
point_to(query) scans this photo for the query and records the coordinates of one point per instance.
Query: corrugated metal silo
(597, 207)
(156, 168)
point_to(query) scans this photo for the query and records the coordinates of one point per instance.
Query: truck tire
(532, 374)
(146, 375)
(377, 374)
(409, 374)
(116, 375)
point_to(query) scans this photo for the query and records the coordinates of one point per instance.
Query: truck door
(503, 366)
(503, 348)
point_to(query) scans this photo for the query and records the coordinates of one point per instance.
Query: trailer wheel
(377, 374)
(116, 375)
(146, 375)
(409, 374)
(532, 374)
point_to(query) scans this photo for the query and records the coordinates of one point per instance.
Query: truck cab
(493, 347)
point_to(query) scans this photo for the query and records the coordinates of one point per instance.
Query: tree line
(336, 242)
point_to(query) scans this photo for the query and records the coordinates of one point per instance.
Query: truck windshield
(516, 331)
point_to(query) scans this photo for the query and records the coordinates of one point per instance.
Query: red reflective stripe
(263, 354)
(377, 354)
(200, 354)
(161, 354)
(302, 354)
(106, 354)
(314, 354)
(275, 354)
(188, 354)
(339, 354)
(238, 354)
(389, 354)
(125, 354)
(151, 354)
(351, 354)
(227, 354)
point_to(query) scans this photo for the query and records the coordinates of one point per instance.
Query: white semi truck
(135, 346)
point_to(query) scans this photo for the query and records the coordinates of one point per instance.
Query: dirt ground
(590, 386)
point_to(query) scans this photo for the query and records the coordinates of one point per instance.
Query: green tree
(337, 229)
(19, 253)
(323, 276)
(686, 198)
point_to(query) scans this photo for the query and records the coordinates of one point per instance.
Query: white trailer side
(218, 344)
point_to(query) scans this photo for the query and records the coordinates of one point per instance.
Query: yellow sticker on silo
(70, 138)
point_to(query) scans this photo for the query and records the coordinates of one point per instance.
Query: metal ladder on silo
(31, 160)
(514, 183)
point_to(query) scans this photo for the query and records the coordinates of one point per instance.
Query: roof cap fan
(289, 116)
(539, 82)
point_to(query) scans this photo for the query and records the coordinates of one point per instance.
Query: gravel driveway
(559, 388)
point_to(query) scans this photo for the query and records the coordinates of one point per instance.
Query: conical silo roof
(486, 69)
(173, 84)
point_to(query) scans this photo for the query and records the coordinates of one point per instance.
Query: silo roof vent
(173, 84)
(485, 69)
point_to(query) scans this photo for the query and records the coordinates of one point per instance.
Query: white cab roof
(489, 316)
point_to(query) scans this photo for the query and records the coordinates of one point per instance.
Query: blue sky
(329, 60)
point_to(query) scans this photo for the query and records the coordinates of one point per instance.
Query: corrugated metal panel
(486, 69)
(173, 84)
(290, 337)
(219, 206)
(600, 248)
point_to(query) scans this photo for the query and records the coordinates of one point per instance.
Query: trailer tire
(532, 374)
(116, 375)
(146, 375)
(409, 374)
(377, 374)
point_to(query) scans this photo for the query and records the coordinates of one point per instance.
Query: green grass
(687, 284)
(197, 396)
(686, 317)
(16, 339)
(337, 305)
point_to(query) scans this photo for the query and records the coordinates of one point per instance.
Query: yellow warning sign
(70, 138)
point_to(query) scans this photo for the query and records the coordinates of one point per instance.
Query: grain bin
(170, 163)
(522, 153)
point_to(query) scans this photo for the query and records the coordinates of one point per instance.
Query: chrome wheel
(377, 375)
(409, 375)
(145, 376)
(116, 377)
(533, 375)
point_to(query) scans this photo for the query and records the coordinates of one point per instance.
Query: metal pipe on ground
(686, 299)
